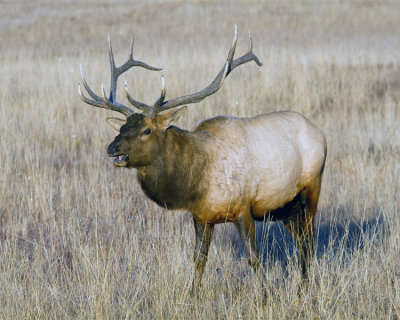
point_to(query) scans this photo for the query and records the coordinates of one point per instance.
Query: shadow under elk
(227, 169)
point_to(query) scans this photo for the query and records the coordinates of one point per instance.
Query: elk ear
(116, 123)
(164, 120)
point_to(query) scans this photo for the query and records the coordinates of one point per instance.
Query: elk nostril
(112, 149)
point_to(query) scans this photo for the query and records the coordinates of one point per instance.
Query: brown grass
(79, 240)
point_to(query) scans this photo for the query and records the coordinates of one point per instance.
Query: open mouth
(121, 160)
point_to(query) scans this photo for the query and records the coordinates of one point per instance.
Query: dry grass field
(79, 240)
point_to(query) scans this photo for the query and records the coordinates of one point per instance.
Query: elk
(226, 169)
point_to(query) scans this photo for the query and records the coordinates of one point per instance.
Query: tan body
(227, 169)
(257, 164)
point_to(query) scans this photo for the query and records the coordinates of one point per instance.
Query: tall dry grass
(79, 240)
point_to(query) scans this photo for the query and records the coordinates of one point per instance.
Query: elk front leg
(204, 234)
(247, 230)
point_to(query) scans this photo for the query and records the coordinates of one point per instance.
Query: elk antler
(110, 102)
(230, 64)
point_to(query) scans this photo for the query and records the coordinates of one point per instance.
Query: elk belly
(221, 212)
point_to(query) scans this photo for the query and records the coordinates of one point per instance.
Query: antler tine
(114, 73)
(229, 65)
(161, 99)
(137, 104)
(233, 47)
(131, 52)
(249, 56)
(91, 93)
(110, 52)
(134, 63)
(87, 100)
(250, 42)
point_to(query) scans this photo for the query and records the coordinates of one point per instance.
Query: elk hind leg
(301, 226)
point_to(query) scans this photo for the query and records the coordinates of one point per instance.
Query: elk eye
(147, 131)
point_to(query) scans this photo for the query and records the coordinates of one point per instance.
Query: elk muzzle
(120, 159)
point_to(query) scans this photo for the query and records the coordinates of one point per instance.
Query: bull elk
(226, 169)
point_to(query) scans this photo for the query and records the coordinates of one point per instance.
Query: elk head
(141, 134)
(139, 138)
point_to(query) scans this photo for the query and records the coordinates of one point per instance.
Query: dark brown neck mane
(174, 179)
